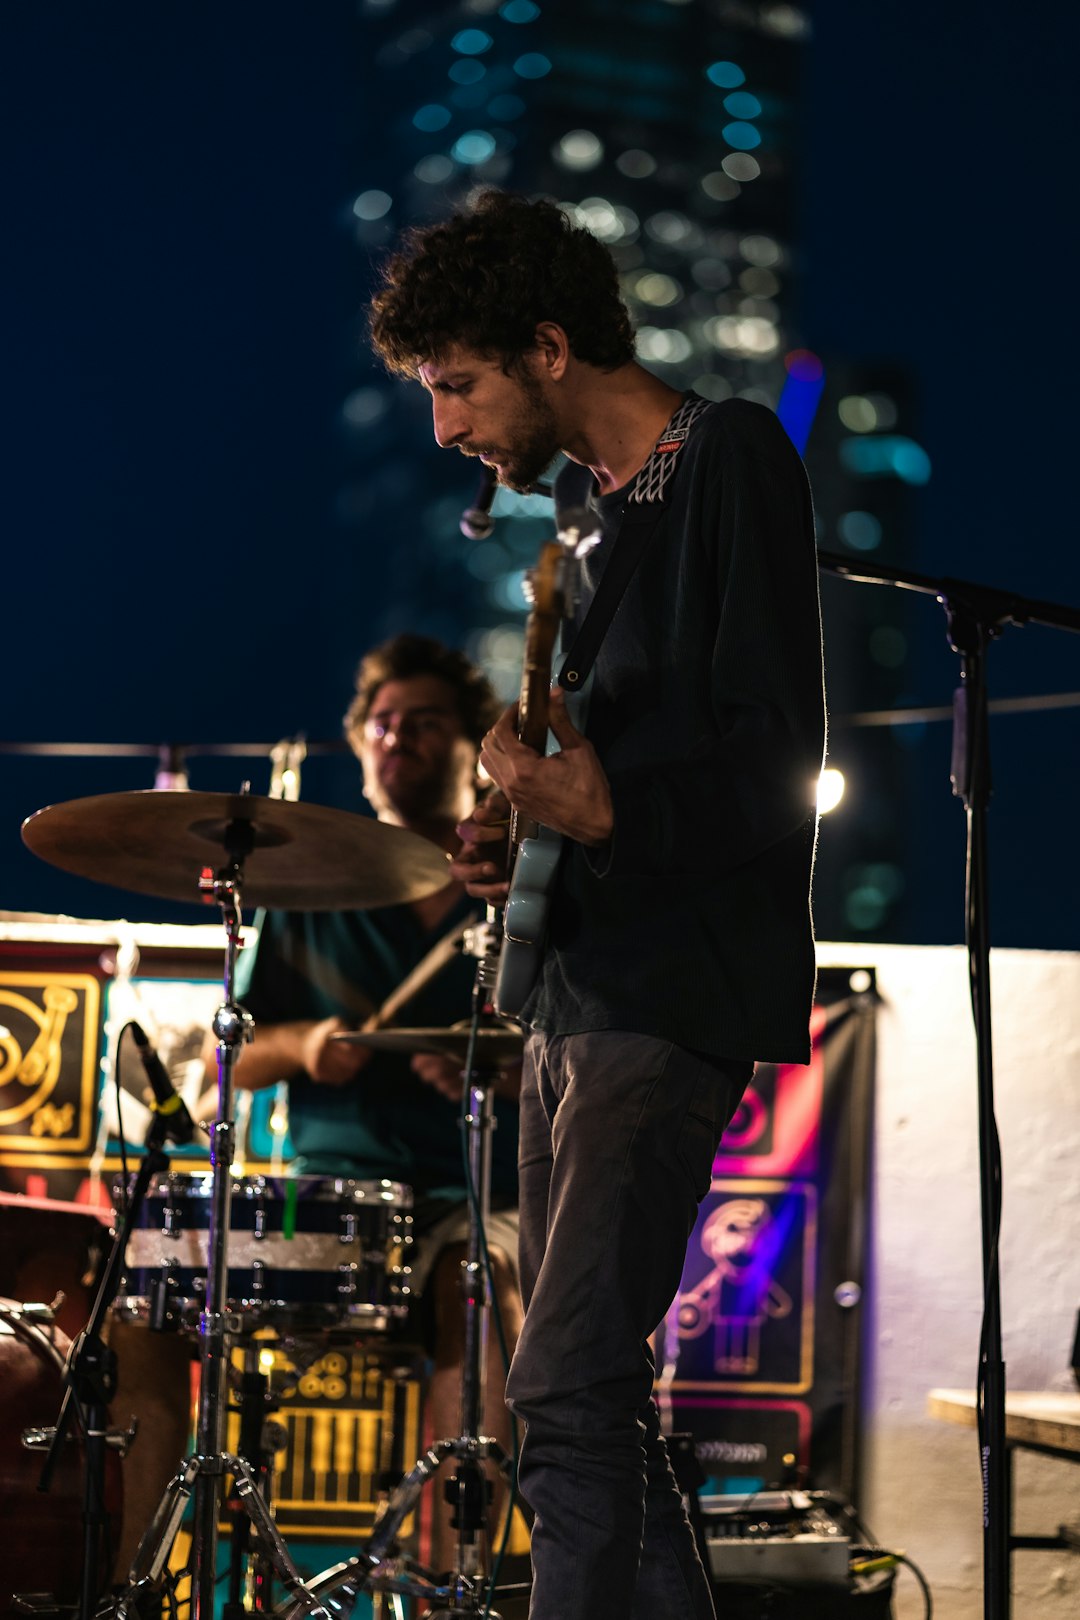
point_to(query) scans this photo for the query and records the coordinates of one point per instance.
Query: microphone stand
(975, 616)
(90, 1377)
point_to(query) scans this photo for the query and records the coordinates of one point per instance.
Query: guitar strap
(645, 506)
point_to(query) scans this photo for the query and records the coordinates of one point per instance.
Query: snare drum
(304, 1253)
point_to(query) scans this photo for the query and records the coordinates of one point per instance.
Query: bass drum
(41, 1549)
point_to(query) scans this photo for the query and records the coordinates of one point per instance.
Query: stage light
(830, 789)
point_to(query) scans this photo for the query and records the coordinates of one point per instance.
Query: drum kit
(226, 1257)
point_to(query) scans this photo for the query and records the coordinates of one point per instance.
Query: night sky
(181, 303)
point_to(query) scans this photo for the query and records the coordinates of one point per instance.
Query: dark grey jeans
(618, 1135)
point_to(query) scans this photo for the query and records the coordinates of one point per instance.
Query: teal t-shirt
(386, 1122)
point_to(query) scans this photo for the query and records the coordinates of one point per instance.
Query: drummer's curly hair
(406, 655)
(487, 277)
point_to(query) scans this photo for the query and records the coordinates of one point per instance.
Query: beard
(532, 435)
(443, 792)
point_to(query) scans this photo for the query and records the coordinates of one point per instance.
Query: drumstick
(443, 951)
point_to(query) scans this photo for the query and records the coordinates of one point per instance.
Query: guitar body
(525, 919)
(534, 850)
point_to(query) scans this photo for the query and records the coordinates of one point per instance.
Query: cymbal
(304, 857)
(499, 1045)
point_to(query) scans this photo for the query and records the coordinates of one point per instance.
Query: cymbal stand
(379, 1568)
(204, 1473)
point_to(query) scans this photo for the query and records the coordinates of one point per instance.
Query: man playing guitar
(679, 946)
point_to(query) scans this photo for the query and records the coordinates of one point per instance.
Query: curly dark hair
(406, 655)
(486, 279)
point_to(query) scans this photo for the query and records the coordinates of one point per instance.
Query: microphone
(168, 1104)
(476, 520)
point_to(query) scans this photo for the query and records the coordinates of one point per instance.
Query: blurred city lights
(532, 65)
(472, 42)
(474, 147)
(467, 71)
(434, 169)
(743, 137)
(719, 186)
(888, 646)
(431, 117)
(579, 149)
(741, 166)
(654, 288)
(888, 455)
(666, 344)
(506, 107)
(860, 530)
(636, 164)
(741, 104)
(372, 205)
(363, 407)
(728, 75)
(761, 251)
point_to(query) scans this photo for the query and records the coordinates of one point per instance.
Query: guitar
(534, 849)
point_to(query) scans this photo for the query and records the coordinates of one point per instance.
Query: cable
(124, 1171)
(876, 1556)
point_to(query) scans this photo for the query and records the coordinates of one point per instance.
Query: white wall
(923, 1489)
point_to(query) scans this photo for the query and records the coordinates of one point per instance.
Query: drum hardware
(43, 1533)
(90, 1378)
(380, 1568)
(203, 1474)
(250, 1572)
(497, 1043)
(306, 1253)
(286, 855)
(299, 856)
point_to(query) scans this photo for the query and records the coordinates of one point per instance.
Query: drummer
(415, 723)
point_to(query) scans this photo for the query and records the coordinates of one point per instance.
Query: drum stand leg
(145, 1577)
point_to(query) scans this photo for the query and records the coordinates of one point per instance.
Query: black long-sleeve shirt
(707, 713)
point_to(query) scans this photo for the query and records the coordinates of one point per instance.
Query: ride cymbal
(303, 857)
